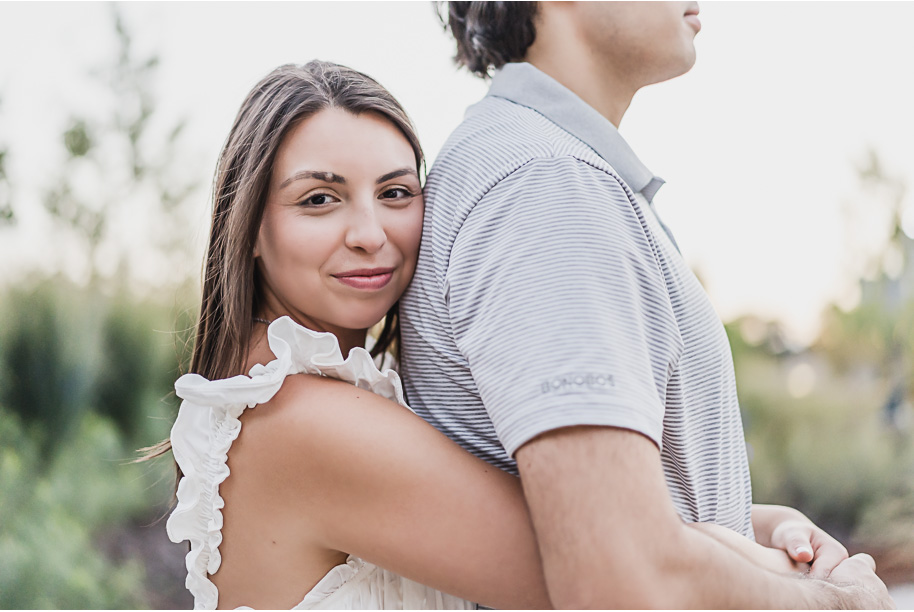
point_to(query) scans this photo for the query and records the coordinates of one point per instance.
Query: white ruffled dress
(203, 433)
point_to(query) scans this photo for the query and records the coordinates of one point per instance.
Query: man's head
(489, 34)
(638, 42)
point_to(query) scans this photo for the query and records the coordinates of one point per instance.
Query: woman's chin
(365, 320)
(361, 324)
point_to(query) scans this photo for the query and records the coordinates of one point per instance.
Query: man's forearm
(693, 571)
(610, 538)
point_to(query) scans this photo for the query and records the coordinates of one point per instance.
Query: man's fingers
(868, 560)
(825, 562)
(829, 554)
(852, 569)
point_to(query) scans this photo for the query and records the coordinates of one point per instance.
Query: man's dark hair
(489, 34)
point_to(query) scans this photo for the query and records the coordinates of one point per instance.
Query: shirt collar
(526, 85)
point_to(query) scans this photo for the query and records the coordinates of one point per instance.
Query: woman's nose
(365, 231)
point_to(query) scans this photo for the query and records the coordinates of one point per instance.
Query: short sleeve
(559, 304)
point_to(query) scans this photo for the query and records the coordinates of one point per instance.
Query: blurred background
(788, 157)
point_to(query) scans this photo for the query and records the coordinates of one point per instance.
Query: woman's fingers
(807, 543)
(829, 553)
(795, 537)
(801, 554)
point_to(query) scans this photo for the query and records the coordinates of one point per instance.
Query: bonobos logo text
(577, 383)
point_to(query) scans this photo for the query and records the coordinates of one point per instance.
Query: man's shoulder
(496, 139)
(498, 123)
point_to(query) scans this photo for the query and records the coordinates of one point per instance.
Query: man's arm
(610, 538)
(554, 260)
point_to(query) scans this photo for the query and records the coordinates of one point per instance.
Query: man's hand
(859, 573)
(790, 530)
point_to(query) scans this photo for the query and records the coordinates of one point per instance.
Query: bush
(828, 452)
(65, 350)
(47, 360)
(87, 378)
(50, 519)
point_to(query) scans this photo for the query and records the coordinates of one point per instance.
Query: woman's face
(341, 227)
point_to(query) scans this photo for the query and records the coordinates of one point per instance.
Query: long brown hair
(231, 289)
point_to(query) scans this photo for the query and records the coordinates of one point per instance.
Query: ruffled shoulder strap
(208, 422)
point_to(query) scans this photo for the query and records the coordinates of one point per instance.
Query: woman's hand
(789, 530)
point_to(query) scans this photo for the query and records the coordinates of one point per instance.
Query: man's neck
(607, 95)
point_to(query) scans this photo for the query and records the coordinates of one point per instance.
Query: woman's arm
(772, 559)
(372, 479)
(787, 541)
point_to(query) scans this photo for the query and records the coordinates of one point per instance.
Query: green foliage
(47, 366)
(136, 367)
(86, 370)
(840, 447)
(888, 524)
(825, 453)
(51, 514)
(65, 350)
(830, 450)
(87, 379)
(76, 139)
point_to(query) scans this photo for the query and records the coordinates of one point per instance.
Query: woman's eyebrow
(395, 174)
(327, 177)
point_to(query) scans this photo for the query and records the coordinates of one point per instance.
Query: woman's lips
(368, 279)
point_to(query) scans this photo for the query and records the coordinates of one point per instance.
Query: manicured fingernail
(803, 549)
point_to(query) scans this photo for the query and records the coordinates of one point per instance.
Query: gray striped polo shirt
(548, 294)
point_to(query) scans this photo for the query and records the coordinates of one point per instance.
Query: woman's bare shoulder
(315, 421)
(310, 401)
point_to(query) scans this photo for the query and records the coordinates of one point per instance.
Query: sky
(759, 143)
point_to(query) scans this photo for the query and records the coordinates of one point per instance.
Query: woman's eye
(318, 199)
(396, 193)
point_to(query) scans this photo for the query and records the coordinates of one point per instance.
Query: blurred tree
(47, 361)
(138, 365)
(878, 334)
(840, 446)
(63, 349)
(6, 205)
(7, 217)
(122, 189)
(86, 367)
